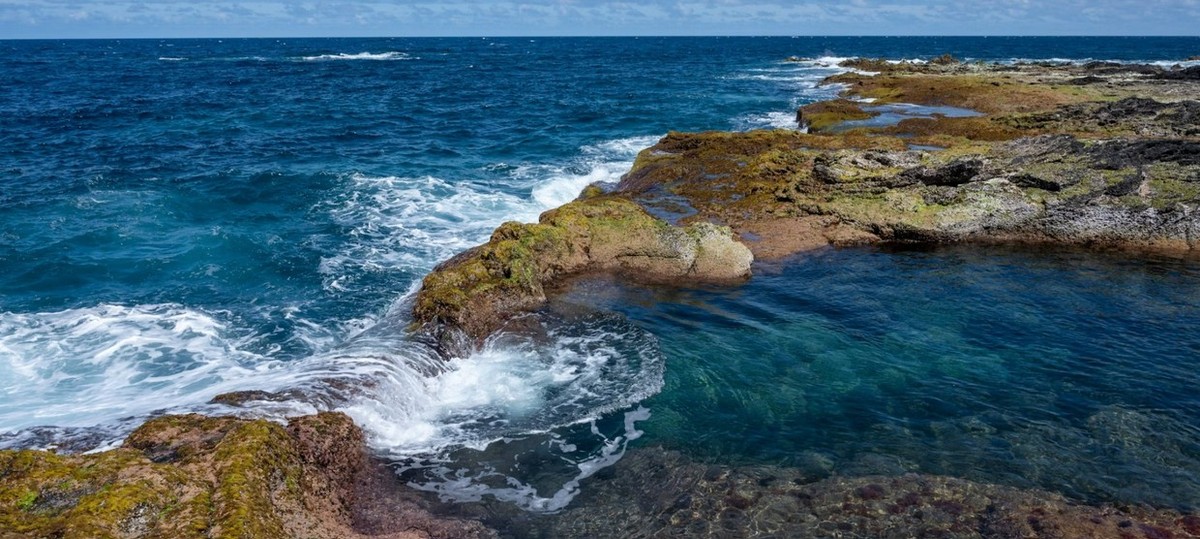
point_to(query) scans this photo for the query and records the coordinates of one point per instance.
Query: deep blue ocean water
(182, 218)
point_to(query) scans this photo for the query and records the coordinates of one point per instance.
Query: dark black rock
(955, 173)
(1112, 68)
(1054, 184)
(1185, 115)
(1131, 107)
(1190, 73)
(825, 174)
(1117, 155)
(1043, 148)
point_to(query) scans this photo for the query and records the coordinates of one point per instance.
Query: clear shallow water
(184, 218)
(1072, 371)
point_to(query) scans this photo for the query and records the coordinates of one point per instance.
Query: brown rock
(195, 476)
(478, 290)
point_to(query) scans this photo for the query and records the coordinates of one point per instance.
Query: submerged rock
(657, 493)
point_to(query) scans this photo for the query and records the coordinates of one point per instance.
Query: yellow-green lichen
(255, 460)
(25, 501)
(211, 477)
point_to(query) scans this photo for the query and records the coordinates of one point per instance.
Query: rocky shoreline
(980, 153)
(1100, 155)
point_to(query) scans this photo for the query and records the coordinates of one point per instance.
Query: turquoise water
(1074, 372)
(183, 218)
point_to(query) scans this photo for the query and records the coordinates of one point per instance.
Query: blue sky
(271, 18)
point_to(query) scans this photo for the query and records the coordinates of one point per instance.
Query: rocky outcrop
(1190, 73)
(1117, 193)
(823, 115)
(1112, 167)
(477, 291)
(195, 476)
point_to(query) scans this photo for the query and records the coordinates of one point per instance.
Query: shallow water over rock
(1068, 371)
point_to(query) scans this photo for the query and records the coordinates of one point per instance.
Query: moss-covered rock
(477, 291)
(195, 476)
(1055, 189)
(823, 115)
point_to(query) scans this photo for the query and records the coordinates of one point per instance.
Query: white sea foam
(171, 59)
(103, 368)
(510, 387)
(394, 55)
(800, 80)
(418, 404)
(827, 61)
(81, 367)
(408, 224)
(801, 77)
(1168, 64)
(102, 365)
(602, 163)
(770, 120)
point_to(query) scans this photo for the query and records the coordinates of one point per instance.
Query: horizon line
(612, 36)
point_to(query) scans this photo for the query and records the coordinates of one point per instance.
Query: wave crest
(394, 55)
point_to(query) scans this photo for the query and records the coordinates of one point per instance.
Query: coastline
(699, 208)
(1109, 163)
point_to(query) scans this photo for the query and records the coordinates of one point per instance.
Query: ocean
(185, 218)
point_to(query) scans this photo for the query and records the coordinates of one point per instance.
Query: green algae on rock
(1047, 163)
(480, 289)
(1052, 189)
(195, 476)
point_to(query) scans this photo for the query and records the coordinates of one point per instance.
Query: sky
(20, 19)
